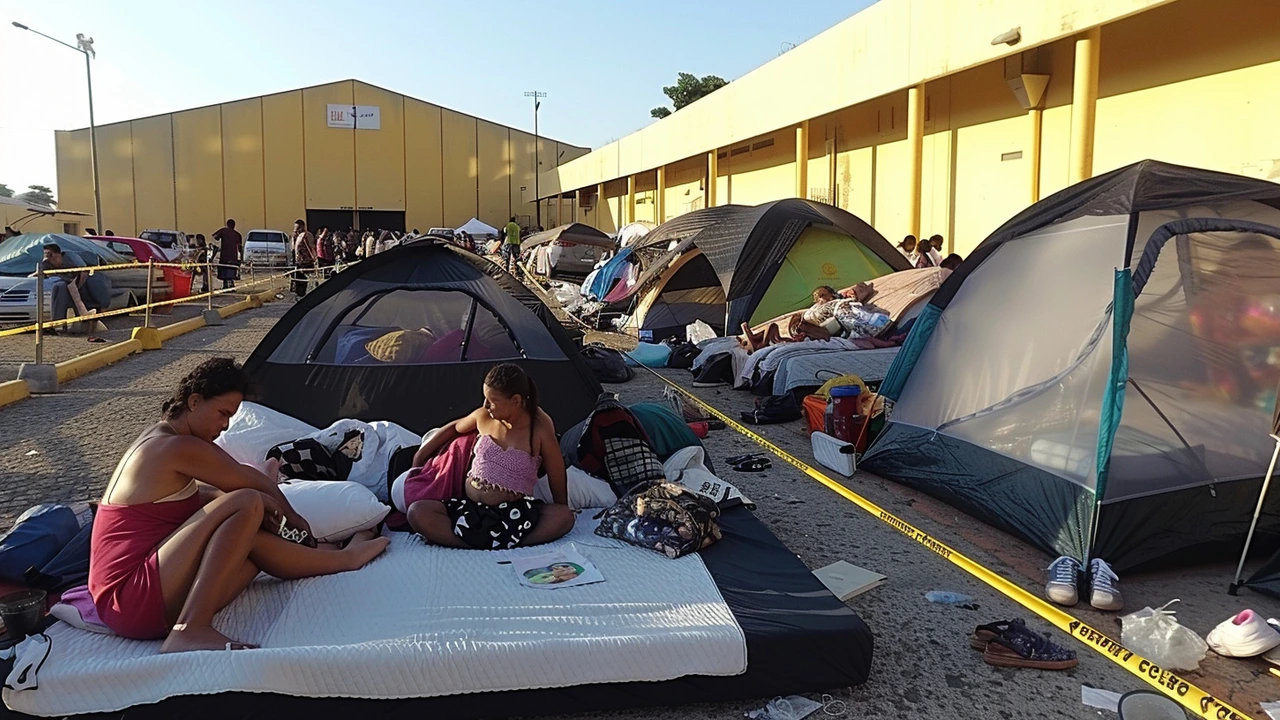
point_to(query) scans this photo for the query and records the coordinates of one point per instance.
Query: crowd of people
(927, 253)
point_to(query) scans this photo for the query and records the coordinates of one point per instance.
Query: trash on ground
(794, 707)
(846, 580)
(1272, 709)
(1099, 698)
(1157, 636)
(32, 452)
(943, 597)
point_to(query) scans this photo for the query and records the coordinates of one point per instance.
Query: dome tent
(441, 317)
(1094, 378)
(734, 264)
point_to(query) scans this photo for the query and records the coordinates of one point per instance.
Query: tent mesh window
(416, 327)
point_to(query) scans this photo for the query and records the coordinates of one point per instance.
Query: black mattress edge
(800, 638)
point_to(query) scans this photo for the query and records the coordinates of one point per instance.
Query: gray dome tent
(1098, 376)
(443, 316)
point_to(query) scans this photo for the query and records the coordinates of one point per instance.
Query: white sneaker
(1104, 588)
(1245, 635)
(1063, 575)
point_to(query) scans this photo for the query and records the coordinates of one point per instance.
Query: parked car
(267, 248)
(443, 233)
(572, 249)
(21, 254)
(170, 240)
(136, 249)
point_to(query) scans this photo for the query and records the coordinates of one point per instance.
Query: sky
(602, 64)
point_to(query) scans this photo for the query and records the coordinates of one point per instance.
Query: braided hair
(509, 379)
(211, 378)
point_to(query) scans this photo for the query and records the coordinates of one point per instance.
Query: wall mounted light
(1012, 37)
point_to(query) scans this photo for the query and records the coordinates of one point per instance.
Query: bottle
(943, 597)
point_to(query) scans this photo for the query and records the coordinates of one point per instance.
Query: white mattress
(817, 368)
(419, 622)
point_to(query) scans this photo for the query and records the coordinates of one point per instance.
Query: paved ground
(63, 447)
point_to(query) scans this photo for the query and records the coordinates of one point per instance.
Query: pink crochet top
(508, 468)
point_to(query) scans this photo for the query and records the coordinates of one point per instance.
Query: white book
(846, 580)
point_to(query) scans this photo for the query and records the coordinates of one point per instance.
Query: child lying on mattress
(183, 528)
(516, 439)
(832, 314)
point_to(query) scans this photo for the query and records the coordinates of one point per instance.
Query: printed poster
(556, 569)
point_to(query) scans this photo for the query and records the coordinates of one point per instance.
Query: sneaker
(1063, 576)
(1104, 587)
(1244, 635)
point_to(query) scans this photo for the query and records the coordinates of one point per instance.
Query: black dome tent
(408, 336)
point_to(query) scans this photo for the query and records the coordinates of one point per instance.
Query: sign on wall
(365, 117)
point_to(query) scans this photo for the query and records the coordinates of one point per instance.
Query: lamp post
(537, 199)
(84, 46)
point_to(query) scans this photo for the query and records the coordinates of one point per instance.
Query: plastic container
(179, 282)
(834, 454)
(846, 412)
(22, 612)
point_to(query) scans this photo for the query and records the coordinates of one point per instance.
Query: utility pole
(537, 164)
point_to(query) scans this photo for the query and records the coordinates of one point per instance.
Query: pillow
(335, 510)
(400, 346)
(585, 491)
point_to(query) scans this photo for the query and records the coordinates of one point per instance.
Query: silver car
(267, 248)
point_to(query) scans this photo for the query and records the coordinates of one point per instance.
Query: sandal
(753, 465)
(984, 634)
(1019, 647)
(736, 459)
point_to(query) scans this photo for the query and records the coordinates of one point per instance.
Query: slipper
(1018, 646)
(984, 634)
(96, 339)
(754, 465)
(743, 458)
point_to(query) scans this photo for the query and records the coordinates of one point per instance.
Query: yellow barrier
(1169, 683)
(13, 391)
(87, 363)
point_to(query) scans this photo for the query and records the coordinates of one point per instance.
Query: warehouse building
(950, 116)
(345, 154)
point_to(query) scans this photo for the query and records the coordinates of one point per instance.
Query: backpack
(663, 517)
(606, 364)
(773, 409)
(48, 547)
(612, 444)
(683, 353)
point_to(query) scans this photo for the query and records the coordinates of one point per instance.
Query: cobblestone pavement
(63, 447)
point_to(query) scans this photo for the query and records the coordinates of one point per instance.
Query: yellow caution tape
(1167, 682)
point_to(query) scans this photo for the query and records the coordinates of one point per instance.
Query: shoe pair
(1104, 585)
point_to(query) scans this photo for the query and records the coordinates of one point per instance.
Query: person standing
(201, 257)
(511, 248)
(228, 254)
(324, 249)
(908, 249)
(304, 256)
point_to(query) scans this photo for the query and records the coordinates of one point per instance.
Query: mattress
(814, 369)
(799, 638)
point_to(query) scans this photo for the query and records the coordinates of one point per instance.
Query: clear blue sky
(603, 63)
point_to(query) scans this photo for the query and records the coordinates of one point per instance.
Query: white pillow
(585, 491)
(334, 510)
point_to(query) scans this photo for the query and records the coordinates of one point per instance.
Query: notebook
(846, 580)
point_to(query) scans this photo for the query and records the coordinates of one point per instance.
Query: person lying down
(183, 528)
(516, 439)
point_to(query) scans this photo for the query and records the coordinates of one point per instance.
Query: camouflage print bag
(664, 517)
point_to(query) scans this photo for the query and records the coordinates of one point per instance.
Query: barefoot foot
(183, 638)
(362, 551)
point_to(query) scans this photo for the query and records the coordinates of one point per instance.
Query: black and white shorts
(493, 527)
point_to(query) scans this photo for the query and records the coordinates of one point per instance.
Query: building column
(713, 175)
(577, 205)
(560, 209)
(631, 199)
(915, 145)
(1084, 104)
(660, 207)
(1036, 116)
(601, 204)
(802, 160)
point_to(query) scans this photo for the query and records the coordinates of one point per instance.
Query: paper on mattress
(420, 622)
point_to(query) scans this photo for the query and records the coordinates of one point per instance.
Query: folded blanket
(442, 477)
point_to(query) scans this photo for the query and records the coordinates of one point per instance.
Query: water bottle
(943, 597)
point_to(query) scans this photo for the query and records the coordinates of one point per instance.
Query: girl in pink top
(516, 439)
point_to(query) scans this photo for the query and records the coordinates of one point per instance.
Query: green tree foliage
(687, 89)
(38, 195)
(5, 190)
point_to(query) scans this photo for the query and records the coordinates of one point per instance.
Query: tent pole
(1262, 496)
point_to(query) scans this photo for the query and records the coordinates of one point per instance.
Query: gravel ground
(63, 447)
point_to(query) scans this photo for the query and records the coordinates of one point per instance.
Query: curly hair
(211, 378)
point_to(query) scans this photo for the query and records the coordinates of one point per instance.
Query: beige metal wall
(264, 161)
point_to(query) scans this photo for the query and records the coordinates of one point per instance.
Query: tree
(5, 190)
(38, 195)
(688, 88)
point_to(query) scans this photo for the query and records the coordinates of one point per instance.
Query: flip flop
(97, 340)
(753, 465)
(743, 458)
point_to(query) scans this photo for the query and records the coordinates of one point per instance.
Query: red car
(133, 248)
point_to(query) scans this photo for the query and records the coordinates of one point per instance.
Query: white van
(267, 248)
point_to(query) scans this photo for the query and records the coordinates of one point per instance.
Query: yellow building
(950, 116)
(267, 161)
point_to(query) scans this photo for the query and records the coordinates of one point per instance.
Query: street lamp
(537, 164)
(83, 45)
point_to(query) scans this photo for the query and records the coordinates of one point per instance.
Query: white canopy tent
(477, 229)
(631, 232)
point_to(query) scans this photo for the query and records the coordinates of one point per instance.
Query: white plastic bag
(1157, 636)
(697, 331)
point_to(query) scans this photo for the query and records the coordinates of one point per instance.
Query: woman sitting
(516, 439)
(183, 528)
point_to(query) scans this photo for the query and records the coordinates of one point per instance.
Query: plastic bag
(1157, 636)
(697, 331)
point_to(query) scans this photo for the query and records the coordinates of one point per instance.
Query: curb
(15, 390)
